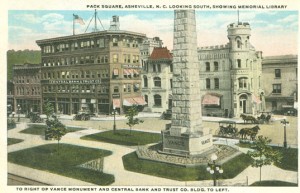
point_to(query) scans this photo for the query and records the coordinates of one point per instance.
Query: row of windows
(25, 79)
(89, 88)
(90, 43)
(75, 88)
(76, 74)
(155, 67)
(157, 100)
(28, 91)
(212, 56)
(102, 59)
(216, 83)
(127, 58)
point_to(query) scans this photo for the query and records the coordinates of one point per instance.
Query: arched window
(238, 42)
(157, 82)
(157, 100)
(145, 81)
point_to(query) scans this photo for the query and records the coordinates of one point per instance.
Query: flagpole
(73, 25)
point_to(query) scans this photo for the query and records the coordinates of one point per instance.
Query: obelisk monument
(186, 136)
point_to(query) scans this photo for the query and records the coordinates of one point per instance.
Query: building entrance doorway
(243, 104)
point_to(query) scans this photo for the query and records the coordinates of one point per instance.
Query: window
(277, 73)
(100, 43)
(239, 63)
(157, 100)
(274, 105)
(216, 66)
(243, 83)
(145, 81)
(217, 84)
(156, 68)
(207, 83)
(157, 82)
(171, 67)
(207, 66)
(115, 41)
(239, 44)
(171, 83)
(126, 58)
(276, 89)
(116, 89)
(136, 87)
(115, 58)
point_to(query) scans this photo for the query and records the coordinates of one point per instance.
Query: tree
(131, 112)
(55, 130)
(263, 154)
(48, 109)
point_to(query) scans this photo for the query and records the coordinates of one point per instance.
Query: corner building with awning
(231, 75)
(96, 72)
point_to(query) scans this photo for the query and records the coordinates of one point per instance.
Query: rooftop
(161, 53)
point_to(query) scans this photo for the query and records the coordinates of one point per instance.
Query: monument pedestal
(186, 144)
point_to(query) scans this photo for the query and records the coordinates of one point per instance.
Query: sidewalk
(113, 165)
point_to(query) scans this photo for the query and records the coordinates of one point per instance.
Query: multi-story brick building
(157, 80)
(95, 71)
(27, 88)
(280, 81)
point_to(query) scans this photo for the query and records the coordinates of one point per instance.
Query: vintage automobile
(82, 116)
(167, 115)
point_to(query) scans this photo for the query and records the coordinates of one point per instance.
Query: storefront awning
(211, 99)
(134, 101)
(255, 99)
(125, 72)
(116, 103)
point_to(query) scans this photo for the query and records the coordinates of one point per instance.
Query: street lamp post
(214, 169)
(19, 111)
(285, 123)
(114, 127)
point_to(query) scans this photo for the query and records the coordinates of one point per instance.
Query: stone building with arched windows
(157, 80)
(231, 75)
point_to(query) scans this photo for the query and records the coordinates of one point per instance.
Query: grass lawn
(40, 129)
(11, 141)
(124, 137)
(231, 169)
(273, 183)
(65, 163)
(289, 157)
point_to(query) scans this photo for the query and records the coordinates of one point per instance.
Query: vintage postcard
(138, 96)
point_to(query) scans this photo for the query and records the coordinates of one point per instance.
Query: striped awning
(211, 99)
(134, 101)
(126, 72)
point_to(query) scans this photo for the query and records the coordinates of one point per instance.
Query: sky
(272, 32)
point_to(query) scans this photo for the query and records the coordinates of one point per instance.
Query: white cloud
(288, 19)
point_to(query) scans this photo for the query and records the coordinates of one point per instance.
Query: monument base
(186, 145)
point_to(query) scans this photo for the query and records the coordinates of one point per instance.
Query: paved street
(113, 164)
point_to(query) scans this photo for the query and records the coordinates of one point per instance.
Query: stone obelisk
(186, 136)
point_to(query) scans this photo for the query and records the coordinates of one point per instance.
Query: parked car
(167, 115)
(82, 116)
(290, 111)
